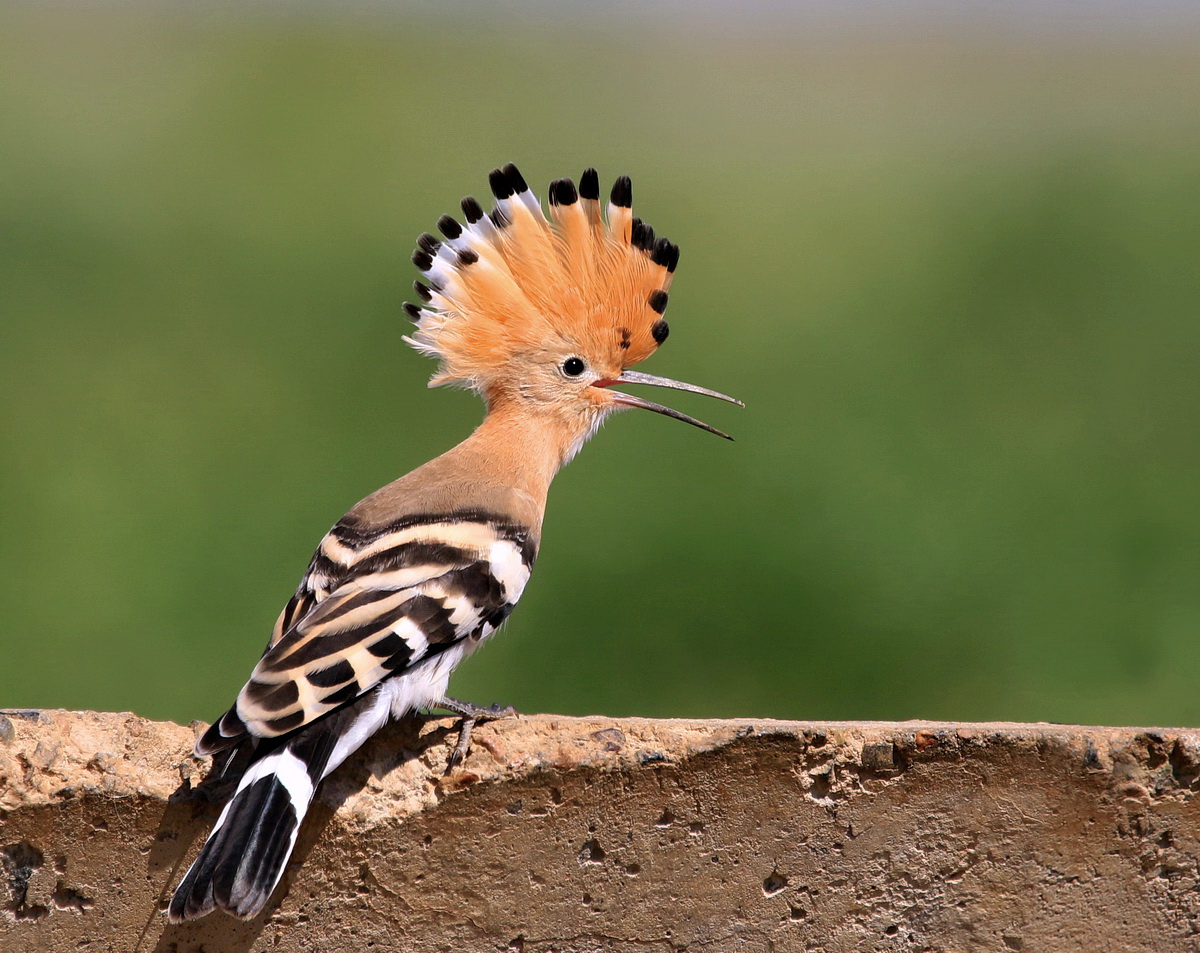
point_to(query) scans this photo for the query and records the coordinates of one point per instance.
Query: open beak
(636, 377)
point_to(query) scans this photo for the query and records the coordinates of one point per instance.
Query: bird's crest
(513, 280)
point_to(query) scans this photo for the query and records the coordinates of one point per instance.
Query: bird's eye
(573, 366)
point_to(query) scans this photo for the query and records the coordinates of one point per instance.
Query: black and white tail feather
(246, 853)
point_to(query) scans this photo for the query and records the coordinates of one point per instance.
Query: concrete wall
(590, 834)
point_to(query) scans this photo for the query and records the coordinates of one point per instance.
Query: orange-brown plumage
(515, 282)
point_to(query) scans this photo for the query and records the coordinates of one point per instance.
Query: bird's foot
(471, 716)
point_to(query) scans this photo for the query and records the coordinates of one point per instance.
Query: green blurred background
(953, 268)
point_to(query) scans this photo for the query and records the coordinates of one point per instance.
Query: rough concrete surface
(590, 834)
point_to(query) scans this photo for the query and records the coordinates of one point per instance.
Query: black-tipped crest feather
(622, 192)
(516, 181)
(472, 210)
(498, 181)
(589, 185)
(562, 192)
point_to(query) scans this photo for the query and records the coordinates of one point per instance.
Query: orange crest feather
(513, 281)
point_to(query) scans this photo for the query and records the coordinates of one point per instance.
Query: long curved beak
(636, 377)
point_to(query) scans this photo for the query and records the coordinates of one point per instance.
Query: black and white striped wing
(375, 605)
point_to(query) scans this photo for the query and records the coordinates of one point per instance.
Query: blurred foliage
(955, 281)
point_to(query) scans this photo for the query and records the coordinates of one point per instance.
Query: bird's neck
(505, 467)
(521, 448)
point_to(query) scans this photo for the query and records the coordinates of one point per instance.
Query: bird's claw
(471, 716)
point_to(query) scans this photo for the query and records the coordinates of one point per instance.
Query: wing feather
(399, 605)
(374, 604)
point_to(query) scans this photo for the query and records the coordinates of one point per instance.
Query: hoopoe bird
(540, 316)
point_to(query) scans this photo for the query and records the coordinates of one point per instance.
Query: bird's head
(548, 314)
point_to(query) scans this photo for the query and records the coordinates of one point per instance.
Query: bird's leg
(471, 715)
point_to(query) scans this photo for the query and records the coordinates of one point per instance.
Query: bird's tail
(248, 848)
